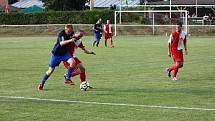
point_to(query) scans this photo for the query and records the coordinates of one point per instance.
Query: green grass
(130, 73)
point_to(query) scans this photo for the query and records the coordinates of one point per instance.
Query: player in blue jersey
(60, 53)
(97, 32)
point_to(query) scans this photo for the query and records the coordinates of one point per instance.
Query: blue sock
(43, 81)
(69, 74)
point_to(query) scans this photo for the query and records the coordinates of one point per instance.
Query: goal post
(152, 19)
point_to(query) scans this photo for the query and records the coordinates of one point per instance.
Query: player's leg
(95, 39)
(98, 41)
(83, 75)
(98, 37)
(106, 38)
(111, 41)
(177, 66)
(54, 61)
(45, 78)
(67, 57)
(178, 58)
(105, 42)
(69, 72)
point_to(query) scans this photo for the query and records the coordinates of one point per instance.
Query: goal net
(154, 22)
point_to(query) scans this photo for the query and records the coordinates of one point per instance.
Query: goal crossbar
(150, 11)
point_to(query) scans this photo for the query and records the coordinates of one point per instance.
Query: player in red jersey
(177, 43)
(77, 64)
(108, 33)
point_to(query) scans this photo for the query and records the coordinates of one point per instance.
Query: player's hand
(72, 40)
(185, 52)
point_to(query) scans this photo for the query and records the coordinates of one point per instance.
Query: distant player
(108, 33)
(97, 32)
(177, 42)
(77, 64)
(60, 53)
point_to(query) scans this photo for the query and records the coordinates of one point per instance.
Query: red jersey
(107, 28)
(76, 44)
(177, 40)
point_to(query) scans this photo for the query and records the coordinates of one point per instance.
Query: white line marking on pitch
(110, 104)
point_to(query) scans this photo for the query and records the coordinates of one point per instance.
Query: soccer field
(129, 82)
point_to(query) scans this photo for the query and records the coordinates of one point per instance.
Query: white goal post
(153, 24)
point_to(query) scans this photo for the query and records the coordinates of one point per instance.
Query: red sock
(74, 73)
(175, 71)
(172, 68)
(82, 76)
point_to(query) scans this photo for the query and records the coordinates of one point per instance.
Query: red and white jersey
(73, 45)
(107, 28)
(177, 40)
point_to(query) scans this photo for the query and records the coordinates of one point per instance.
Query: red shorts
(177, 55)
(76, 61)
(108, 35)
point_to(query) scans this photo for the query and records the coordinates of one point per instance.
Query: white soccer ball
(84, 86)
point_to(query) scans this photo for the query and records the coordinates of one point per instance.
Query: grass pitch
(130, 73)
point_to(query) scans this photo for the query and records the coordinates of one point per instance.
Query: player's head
(179, 27)
(68, 28)
(99, 20)
(108, 21)
(79, 34)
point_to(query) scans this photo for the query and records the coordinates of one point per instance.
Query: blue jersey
(58, 49)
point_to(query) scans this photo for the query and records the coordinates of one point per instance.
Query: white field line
(110, 104)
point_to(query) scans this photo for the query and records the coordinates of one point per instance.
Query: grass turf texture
(130, 73)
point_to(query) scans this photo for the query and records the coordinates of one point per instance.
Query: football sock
(43, 81)
(69, 74)
(94, 43)
(111, 42)
(175, 71)
(105, 43)
(172, 68)
(82, 76)
(74, 73)
(97, 44)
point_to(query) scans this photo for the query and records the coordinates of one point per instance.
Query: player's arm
(169, 45)
(87, 51)
(105, 29)
(95, 27)
(185, 45)
(65, 42)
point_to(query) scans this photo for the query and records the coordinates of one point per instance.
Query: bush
(56, 17)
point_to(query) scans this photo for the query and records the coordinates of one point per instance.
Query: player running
(77, 64)
(177, 42)
(108, 33)
(60, 53)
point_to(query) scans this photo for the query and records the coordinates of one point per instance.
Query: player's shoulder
(60, 33)
(183, 33)
(174, 33)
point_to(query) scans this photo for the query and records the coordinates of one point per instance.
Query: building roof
(108, 3)
(184, 2)
(28, 3)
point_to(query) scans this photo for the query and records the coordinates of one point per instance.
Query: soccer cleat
(168, 73)
(174, 79)
(70, 82)
(40, 87)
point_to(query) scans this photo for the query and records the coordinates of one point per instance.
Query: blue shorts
(97, 35)
(56, 60)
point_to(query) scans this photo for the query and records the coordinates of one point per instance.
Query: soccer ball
(84, 86)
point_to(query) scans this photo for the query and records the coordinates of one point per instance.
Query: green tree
(64, 5)
(12, 1)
